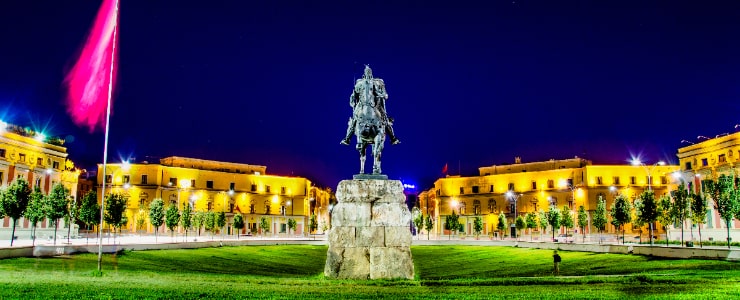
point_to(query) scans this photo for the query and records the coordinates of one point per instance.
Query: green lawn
(289, 272)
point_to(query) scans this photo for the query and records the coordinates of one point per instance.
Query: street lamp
(513, 197)
(290, 203)
(648, 169)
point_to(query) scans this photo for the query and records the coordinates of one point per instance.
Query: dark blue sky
(470, 83)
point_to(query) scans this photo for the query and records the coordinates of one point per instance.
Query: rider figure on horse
(379, 94)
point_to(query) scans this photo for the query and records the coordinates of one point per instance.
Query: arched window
(267, 207)
(553, 201)
(476, 207)
(463, 209)
(251, 206)
(491, 206)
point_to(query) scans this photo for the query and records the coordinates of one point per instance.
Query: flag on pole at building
(444, 170)
(92, 77)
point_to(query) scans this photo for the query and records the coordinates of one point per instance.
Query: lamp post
(648, 170)
(513, 197)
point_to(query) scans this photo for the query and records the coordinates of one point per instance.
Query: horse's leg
(362, 147)
(377, 150)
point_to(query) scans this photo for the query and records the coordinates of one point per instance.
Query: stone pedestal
(370, 234)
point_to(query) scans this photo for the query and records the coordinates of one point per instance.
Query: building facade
(40, 160)
(521, 188)
(207, 185)
(707, 160)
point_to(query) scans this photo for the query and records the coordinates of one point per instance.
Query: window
(534, 203)
(282, 210)
(570, 204)
(209, 184)
(615, 180)
(144, 179)
(663, 180)
(231, 207)
(267, 189)
(253, 188)
(550, 184)
(22, 157)
(251, 208)
(108, 178)
(55, 165)
(282, 190)
(688, 165)
(704, 162)
(1, 178)
(232, 186)
(463, 209)
(599, 180)
(490, 189)
(38, 182)
(512, 207)
(476, 207)
(534, 185)
(142, 203)
(173, 181)
(462, 190)
(39, 161)
(511, 186)
(649, 180)
(475, 189)
(126, 179)
(192, 183)
(600, 196)
(553, 201)
(210, 205)
(491, 206)
(633, 180)
(267, 207)
(722, 158)
(2, 153)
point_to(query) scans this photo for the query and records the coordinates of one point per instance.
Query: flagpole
(105, 145)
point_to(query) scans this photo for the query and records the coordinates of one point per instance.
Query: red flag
(91, 79)
(444, 170)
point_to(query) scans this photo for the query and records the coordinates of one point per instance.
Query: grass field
(295, 272)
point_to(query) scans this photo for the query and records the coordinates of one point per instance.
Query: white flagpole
(105, 146)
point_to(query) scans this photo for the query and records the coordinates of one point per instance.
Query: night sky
(471, 83)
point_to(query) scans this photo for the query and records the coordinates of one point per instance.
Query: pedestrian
(556, 262)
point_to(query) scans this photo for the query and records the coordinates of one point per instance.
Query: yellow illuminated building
(40, 160)
(207, 185)
(521, 188)
(707, 160)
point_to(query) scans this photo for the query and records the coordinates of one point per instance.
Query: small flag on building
(444, 170)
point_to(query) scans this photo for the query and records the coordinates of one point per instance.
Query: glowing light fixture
(125, 165)
(184, 183)
(231, 192)
(48, 171)
(126, 185)
(40, 137)
(636, 162)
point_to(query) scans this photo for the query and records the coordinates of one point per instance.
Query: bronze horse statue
(369, 122)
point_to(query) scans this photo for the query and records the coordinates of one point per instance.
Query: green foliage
(221, 219)
(520, 224)
(312, 223)
(460, 227)
(478, 225)
(199, 221)
(502, 224)
(141, 219)
(209, 221)
(35, 210)
(599, 220)
(418, 218)
(452, 222)
(531, 220)
(172, 217)
(156, 213)
(56, 202)
(698, 209)
(725, 193)
(647, 211)
(429, 225)
(90, 209)
(543, 220)
(292, 224)
(186, 220)
(582, 219)
(15, 199)
(239, 222)
(566, 217)
(681, 205)
(554, 218)
(115, 206)
(264, 224)
(621, 212)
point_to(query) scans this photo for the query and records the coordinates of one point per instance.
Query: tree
(553, 219)
(637, 221)
(209, 222)
(115, 206)
(664, 215)
(221, 222)
(72, 215)
(292, 225)
(478, 226)
(156, 215)
(582, 221)
(621, 213)
(502, 225)
(312, 224)
(531, 220)
(681, 206)
(543, 222)
(599, 221)
(566, 217)
(89, 210)
(699, 212)
(451, 223)
(140, 220)
(55, 206)
(35, 211)
(429, 225)
(14, 201)
(239, 224)
(647, 212)
(418, 219)
(186, 220)
(264, 224)
(520, 224)
(724, 191)
(172, 218)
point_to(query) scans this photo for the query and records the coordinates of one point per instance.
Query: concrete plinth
(370, 235)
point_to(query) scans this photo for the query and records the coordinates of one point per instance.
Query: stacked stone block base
(370, 235)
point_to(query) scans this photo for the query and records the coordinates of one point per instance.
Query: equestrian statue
(369, 122)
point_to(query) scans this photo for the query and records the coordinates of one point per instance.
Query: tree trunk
(155, 234)
(682, 221)
(728, 233)
(700, 245)
(12, 235)
(69, 230)
(87, 236)
(651, 234)
(33, 240)
(56, 225)
(667, 238)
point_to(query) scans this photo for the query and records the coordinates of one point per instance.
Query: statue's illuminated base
(370, 176)
(370, 236)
